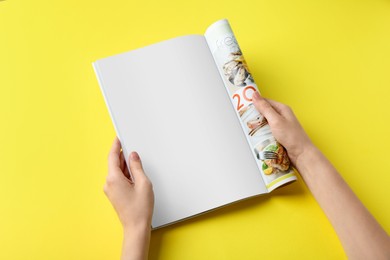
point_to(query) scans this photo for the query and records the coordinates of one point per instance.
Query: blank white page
(169, 104)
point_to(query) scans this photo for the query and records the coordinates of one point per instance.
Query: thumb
(265, 108)
(135, 166)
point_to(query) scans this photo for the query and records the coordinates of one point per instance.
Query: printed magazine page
(270, 156)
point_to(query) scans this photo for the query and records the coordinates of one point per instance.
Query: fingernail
(134, 156)
(256, 96)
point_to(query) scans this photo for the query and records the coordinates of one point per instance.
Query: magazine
(240, 85)
(185, 105)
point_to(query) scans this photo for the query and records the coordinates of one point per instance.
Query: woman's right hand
(353, 223)
(284, 125)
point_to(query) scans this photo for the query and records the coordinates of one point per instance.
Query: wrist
(306, 157)
(136, 239)
(137, 228)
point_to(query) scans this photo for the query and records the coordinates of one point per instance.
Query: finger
(136, 166)
(127, 173)
(114, 163)
(276, 105)
(265, 108)
(114, 154)
(124, 167)
(281, 108)
(122, 161)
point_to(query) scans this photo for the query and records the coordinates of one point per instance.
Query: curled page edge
(212, 35)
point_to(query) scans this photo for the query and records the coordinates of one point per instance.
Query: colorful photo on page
(273, 159)
(236, 70)
(270, 156)
(254, 123)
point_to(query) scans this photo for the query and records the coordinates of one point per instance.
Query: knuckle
(136, 169)
(263, 102)
(146, 182)
(136, 166)
(287, 108)
(277, 123)
(105, 189)
(266, 106)
(110, 180)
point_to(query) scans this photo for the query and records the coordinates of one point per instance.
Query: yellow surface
(328, 59)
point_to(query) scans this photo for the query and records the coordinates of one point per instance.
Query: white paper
(169, 103)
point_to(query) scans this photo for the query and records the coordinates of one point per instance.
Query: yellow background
(327, 59)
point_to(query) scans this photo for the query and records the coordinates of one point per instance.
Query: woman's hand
(284, 126)
(360, 234)
(133, 201)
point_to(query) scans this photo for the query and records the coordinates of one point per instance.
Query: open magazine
(185, 105)
(240, 85)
